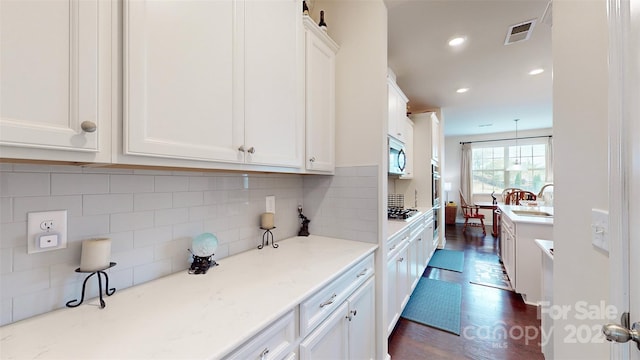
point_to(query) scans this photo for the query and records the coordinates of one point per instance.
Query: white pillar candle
(266, 221)
(96, 254)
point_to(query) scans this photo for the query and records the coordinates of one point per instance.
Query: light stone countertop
(508, 211)
(546, 246)
(188, 316)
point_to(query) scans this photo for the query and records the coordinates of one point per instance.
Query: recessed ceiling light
(536, 71)
(462, 90)
(456, 41)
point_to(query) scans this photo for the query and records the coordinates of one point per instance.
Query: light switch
(600, 229)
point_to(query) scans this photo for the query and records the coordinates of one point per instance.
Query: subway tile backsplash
(151, 216)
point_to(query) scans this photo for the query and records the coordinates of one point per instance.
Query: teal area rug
(448, 260)
(435, 303)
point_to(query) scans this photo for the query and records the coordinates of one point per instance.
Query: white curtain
(549, 161)
(466, 181)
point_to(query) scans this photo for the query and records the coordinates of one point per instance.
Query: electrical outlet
(270, 204)
(46, 230)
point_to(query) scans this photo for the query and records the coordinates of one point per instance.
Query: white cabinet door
(55, 73)
(412, 254)
(397, 112)
(274, 82)
(393, 110)
(362, 322)
(329, 340)
(403, 285)
(214, 80)
(435, 137)
(320, 99)
(182, 72)
(392, 288)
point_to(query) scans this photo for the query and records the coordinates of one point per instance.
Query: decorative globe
(204, 245)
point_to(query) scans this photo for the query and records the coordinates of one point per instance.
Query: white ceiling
(429, 71)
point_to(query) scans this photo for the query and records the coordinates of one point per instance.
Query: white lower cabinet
(398, 272)
(276, 342)
(330, 340)
(508, 249)
(409, 253)
(348, 333)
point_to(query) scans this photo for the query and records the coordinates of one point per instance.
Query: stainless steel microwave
(397, 157)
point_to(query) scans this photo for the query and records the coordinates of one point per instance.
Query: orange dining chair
(471, 212)
(506, 193)
(514, 197)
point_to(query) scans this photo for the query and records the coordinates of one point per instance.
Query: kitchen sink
(532, 213)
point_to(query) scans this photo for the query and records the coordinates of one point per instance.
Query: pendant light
(517, 163)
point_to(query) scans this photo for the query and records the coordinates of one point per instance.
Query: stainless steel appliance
(397, 157)
(435, 184)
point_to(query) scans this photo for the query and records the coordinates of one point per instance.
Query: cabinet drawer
(508, 225)
(274, 342)
(316, 308)
(395, 242)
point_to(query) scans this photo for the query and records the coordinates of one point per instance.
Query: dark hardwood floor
(495, 323)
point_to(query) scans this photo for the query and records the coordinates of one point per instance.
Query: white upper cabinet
(214, 80)
(397, 111)
(55, 87)
(435, 138)
(274, 82)
(181, 70)
(320, 98)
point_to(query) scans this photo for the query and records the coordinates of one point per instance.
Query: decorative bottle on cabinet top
(322, 24)
(305, 8)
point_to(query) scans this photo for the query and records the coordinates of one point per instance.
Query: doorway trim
(619, 162)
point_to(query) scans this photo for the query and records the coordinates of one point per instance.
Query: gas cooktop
(396, 213)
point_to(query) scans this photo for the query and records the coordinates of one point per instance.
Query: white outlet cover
(34, 232)
(270, 205)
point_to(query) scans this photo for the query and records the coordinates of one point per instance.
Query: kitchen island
(520, 226)
(193, 316)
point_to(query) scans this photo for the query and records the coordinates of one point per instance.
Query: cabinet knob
(263, 354)
(313, 159)
(241, 148)
(89, 126)
(251, 150)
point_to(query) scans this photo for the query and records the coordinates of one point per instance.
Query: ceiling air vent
(520, 32)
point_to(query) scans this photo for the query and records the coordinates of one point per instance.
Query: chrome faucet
(542, 190)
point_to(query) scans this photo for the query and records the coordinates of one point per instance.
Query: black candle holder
(265, 238)
(107, 291)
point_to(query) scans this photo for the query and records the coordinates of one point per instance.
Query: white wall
(360, 29)
(581, 175)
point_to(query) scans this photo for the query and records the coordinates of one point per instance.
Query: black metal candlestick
(107, 291)
(265, 238)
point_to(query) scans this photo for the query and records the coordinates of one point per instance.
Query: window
(491, 168)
